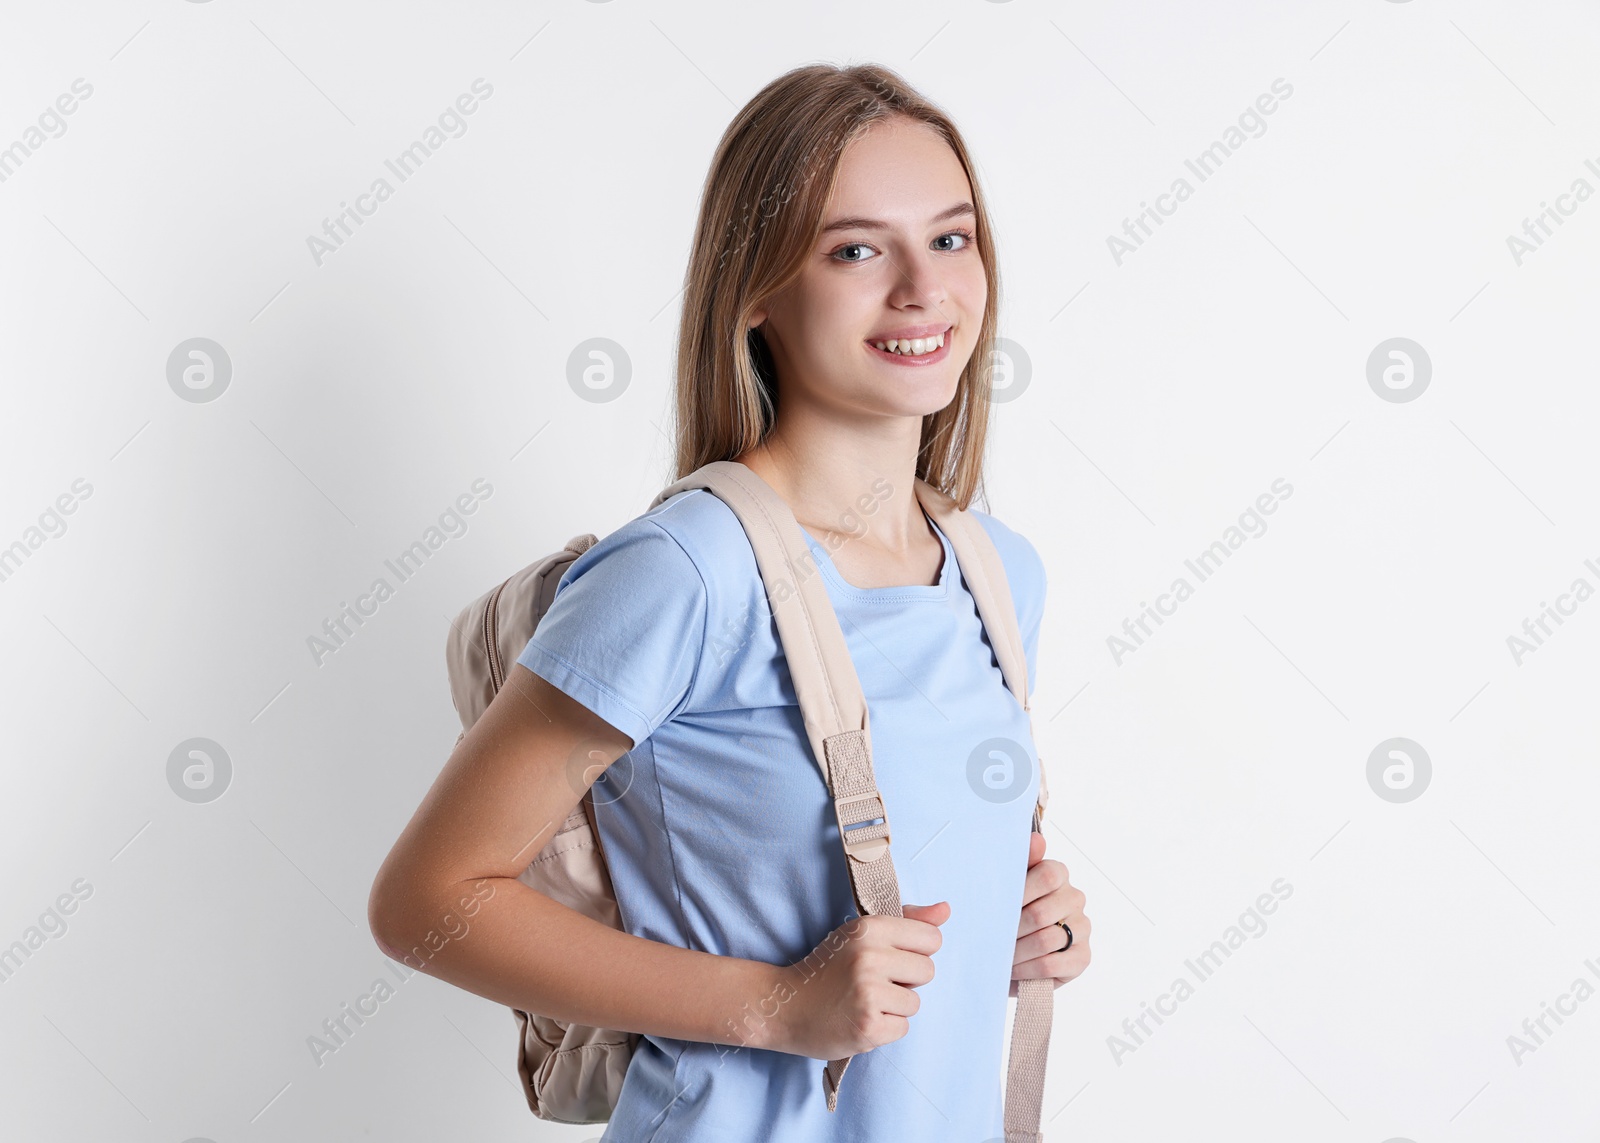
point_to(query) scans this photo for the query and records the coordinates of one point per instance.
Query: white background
(1229, 350)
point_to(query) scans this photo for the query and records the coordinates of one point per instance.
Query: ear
(758, 318)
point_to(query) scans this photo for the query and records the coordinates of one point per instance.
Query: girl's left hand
(1047, 896)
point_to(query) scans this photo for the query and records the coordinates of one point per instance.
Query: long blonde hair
(760, 217)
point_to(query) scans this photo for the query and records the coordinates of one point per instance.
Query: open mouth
(914, 350)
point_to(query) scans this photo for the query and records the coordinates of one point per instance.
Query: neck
(860, 489)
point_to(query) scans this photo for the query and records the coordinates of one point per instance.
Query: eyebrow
(959, 208)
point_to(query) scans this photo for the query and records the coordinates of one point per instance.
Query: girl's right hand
(854, 992)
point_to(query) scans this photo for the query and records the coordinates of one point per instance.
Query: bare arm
(453, 874)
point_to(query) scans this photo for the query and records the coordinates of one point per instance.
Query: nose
(919, 282)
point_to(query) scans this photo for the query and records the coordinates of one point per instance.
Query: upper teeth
(911, 346)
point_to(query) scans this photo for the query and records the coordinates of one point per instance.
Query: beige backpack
(572, 1073)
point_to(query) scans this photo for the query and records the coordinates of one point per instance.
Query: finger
(1035, 849)
(1045, 877)
(1065, 901)
(1055, 908)
(1047, 940)
(1041, 880)
(1043, 910)
(1051, 938)
(901, 1002)
(904, 1003)
(911, 935)
(894, 1027)
(908, 969)
(1062, 966)
(927, 914)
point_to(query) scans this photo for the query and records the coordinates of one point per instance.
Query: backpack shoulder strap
(985, 574)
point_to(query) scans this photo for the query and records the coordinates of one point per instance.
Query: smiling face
(897, 260)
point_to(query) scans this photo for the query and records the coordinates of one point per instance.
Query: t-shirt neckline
(892, 593)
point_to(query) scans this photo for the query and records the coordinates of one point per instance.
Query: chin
(919, 404)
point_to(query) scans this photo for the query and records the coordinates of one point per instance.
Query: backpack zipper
(491, 642)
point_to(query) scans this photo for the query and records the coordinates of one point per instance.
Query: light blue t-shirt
(721, 837)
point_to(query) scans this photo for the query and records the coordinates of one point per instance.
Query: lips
(921, 359)
(908, 332)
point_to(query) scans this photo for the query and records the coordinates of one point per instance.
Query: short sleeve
(625, 629)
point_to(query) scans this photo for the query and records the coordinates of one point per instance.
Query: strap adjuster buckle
(862, 849)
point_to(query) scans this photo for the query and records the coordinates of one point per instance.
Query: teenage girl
(839, 310)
